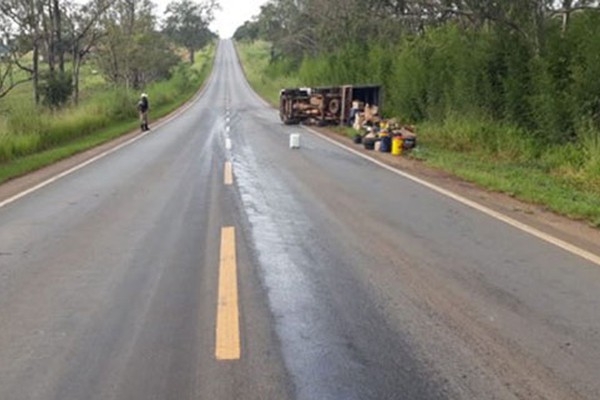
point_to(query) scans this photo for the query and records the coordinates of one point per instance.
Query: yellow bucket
(397, 144)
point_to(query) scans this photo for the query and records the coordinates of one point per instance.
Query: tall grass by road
(564, 177)
(31, 137)
(266, 78)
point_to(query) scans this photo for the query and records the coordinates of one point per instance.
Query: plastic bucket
(294, 141)
(386, 144)
(397, 144)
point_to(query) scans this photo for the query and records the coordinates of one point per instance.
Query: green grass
(255, 60)
(530, 182)
(501, 158)
(31, 138)
(563, 178)
(344, 131)
(32, 162)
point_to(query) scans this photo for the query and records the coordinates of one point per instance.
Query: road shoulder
(578, 233)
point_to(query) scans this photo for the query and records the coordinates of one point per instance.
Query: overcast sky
(232, 15)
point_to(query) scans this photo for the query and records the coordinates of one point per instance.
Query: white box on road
(294, 141)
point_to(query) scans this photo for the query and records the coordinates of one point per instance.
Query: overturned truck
(333, 105)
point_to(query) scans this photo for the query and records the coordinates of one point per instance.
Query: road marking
(227, 346)
(228, 143)
(571, 248)
(228, 173)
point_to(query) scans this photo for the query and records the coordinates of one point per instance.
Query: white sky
(233, 14)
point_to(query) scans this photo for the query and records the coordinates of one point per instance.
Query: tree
(37, 26)
(9, 67)
(52, 16)
(248, 31)
(84, 31)
(131, 52)
(187, 24)
(566, 8)
(26, 18)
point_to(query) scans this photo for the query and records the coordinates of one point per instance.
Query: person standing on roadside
(143, 107)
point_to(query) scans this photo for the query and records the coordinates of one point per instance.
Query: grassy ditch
(31, 138)
(564, 178)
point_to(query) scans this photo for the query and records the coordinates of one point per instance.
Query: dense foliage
(187, 24)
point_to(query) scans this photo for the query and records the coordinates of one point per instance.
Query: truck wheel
(334, 106)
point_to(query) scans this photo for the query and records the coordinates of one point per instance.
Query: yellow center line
(227, 346)
(228, 173)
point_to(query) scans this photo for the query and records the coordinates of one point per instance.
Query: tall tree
(131, 51)
(10, 63)
(566, 8)
(187, 24)
(26, 17)
(84, 32)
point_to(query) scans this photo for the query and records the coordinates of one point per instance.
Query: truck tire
(290, 121)
(334, 106)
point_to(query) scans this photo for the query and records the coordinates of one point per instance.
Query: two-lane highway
(207, 260)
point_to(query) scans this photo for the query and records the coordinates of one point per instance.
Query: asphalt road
(207, 260)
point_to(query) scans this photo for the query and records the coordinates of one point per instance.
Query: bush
(56, 89)
(589, 137)
(184, 77)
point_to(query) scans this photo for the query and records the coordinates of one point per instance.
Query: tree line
(45, 42)
(531, 64)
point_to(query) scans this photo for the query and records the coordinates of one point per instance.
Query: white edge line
(69, 171)
(84, 164)
(589, 256)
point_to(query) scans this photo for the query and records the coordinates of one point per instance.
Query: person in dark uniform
(143, 107)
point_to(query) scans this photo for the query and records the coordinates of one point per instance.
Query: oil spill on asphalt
(319, 362)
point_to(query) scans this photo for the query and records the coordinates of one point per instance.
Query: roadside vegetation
(504, 94)
(72, 101)
(266, 77)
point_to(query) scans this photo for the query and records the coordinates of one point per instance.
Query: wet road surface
(209, 261)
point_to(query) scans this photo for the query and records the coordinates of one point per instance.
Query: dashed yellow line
(227, 346)
(228, 173)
